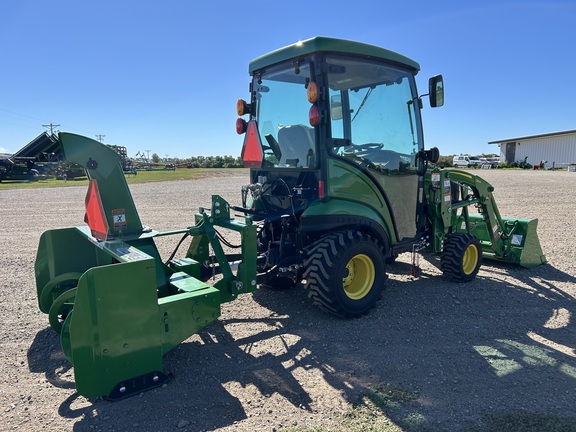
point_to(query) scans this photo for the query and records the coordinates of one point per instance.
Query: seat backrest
(297, 144)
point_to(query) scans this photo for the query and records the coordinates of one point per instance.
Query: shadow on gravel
(494, 354)
(437, 355)
(45, 356)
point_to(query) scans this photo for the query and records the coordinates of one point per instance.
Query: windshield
(373, 111)
(287, 138)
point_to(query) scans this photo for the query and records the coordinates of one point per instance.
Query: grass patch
(141, 177)
(521, 421)
(358, 418)
(369, 415)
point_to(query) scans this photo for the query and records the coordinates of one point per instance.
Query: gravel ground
(433, 355)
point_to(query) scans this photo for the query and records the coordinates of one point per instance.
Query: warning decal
(119, 218)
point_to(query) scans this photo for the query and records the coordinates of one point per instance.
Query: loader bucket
(117, 305)
(519, 239)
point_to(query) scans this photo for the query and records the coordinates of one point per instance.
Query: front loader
(340, 185)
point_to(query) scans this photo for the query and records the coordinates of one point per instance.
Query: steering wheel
(367, 146)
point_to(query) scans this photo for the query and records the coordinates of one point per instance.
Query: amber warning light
(242, 107)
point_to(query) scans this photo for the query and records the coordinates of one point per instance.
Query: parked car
(491, 162)
(466, 161)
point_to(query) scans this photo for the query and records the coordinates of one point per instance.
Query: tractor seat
(297, 144)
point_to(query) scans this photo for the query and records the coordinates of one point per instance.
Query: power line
(19, 114)
(100, 137)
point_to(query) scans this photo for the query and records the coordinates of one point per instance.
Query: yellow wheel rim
(470, 259)
(360, 278)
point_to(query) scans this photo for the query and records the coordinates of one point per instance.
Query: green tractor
(340, 186)
(341, 183)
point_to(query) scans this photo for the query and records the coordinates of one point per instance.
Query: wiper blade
(368, 93)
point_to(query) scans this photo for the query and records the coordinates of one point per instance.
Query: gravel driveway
(433, 355)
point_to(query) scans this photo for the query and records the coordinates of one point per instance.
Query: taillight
(241, 126)
(313, 115)
(321, 191)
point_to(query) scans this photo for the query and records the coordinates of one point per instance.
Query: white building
(558, 149)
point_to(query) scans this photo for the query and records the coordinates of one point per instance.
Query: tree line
(203, 161)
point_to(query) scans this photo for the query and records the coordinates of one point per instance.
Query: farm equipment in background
(18, 168)
(37, 160)
(340, 185)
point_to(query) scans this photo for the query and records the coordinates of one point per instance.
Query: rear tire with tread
(345, 273)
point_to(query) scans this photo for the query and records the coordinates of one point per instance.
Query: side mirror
(433, 155)
(336, 107)
(436, 91)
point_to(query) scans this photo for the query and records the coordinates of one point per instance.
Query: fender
(336, 213)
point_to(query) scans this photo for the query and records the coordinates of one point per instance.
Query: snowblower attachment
(506, 239)
(117, 306)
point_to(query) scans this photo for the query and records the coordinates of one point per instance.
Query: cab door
(373, 113)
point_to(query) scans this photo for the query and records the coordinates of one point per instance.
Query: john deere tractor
(341, 184)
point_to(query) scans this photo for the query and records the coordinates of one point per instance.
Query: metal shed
(558, 149)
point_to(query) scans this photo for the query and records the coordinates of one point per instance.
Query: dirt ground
(433, 355)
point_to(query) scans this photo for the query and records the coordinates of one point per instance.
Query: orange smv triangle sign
(95, 216)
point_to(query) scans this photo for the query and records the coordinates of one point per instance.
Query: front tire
(462, 257)
(345, 273)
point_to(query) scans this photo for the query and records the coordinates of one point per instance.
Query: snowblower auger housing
(117, 306)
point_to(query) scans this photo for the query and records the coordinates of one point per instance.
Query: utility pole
(148, 157)
(100, 138)
(51, 126)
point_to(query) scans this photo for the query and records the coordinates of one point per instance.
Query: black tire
(462, 257)
(391, 259)
(345, 273)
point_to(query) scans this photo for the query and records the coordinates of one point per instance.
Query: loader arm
(451, 193)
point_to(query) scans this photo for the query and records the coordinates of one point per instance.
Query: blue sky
(164, 76)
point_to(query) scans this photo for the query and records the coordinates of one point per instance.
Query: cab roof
(340, 46)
